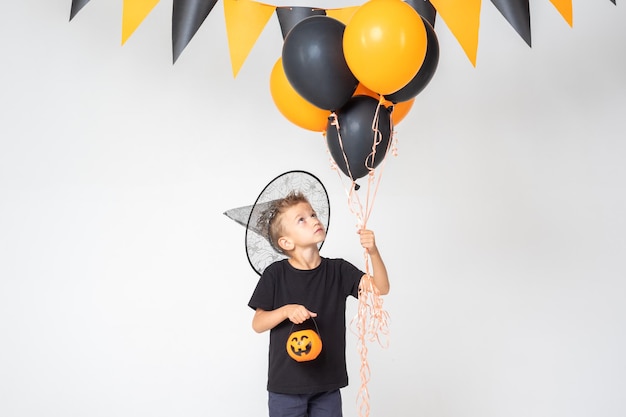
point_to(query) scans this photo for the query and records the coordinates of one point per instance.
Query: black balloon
(314, 63)
(357, 136)
(426, 71)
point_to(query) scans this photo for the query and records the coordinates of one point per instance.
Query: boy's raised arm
(379, 273)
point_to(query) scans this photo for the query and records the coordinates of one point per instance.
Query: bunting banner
(246, 19)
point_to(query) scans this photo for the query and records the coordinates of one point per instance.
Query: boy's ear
(285, 243)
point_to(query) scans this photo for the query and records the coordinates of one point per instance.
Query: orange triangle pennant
(245, 20)
(343, 15)
(565, 8)
(134, 12)
(463, 19)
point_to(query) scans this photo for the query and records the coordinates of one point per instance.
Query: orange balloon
(362, 90)
(385, 44)
(400, 110)
(292, 105)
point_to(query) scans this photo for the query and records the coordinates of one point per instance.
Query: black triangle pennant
(517, 13)
(76, 6)
(187, 17)
(288, 17)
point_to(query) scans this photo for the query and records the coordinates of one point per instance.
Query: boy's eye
(314, 215)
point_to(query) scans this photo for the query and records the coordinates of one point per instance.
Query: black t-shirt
(322, 290)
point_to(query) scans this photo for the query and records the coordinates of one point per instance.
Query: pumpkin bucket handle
(317, 330)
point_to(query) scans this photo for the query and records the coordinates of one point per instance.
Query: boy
(307, 286)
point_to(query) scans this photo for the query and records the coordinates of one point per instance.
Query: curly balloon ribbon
(372, 325)
(371, 322)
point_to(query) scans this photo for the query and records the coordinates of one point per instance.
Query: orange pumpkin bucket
(304, 345)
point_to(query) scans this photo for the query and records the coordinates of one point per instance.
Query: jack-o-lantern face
(304, 345)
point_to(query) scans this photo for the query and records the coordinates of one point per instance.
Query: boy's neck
(309, 259)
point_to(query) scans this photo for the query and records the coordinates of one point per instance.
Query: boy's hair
(269, 220)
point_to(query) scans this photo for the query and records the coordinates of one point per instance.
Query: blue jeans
(322, 404)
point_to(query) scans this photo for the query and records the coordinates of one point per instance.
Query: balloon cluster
(355, 81)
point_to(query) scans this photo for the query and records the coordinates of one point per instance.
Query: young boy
(307, 286)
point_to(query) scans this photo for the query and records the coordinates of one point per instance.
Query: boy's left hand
(368, 241)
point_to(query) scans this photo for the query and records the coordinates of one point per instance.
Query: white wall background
(123, 287)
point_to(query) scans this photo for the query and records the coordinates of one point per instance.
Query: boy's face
(301, 227)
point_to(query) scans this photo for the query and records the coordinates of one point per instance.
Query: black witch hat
(259, 248)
